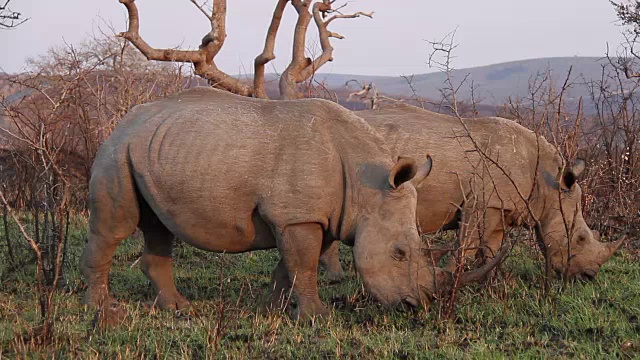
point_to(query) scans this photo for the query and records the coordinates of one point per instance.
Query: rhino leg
(330, 262)
(300, 247)
(491, 246)
(280, 284)
(157, 263)
(492, 243)
(95, 264)
(481, 224)
(114, 217)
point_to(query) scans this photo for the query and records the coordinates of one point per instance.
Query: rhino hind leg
(157, 263)
(279, 290)
(114, 217)
(300, 247)
(330, 262)
(95, 263)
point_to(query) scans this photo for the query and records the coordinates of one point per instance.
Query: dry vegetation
(56, 116)
(53, 123)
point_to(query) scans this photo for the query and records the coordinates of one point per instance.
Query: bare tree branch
(369, 93)
(350, 16)
(9, 19)
(202, 10)
(267, 54)
(290, 76)
(202, 59)
(302, 68)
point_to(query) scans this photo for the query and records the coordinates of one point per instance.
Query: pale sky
(392, 43)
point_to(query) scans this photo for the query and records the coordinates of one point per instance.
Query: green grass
(508, 317)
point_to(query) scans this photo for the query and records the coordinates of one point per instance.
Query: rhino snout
(587, 275)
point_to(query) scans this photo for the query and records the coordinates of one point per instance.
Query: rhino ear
(571, 175)
(422, 172)
(578, 167)
(406, 169)
(403, 171)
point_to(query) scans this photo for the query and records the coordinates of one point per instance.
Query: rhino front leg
(157, 263)
(478, 227)
(491, 246)
(330, 262)
(300, 247)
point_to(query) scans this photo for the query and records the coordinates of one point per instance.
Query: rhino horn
(445, 278)
(612, 247)
(481, 272)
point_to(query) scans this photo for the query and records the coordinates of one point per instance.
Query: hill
(494, 84)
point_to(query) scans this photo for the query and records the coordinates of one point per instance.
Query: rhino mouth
(587, 275)
(410, 301)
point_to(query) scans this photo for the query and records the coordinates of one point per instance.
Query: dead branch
(10, 19)
(361, 94)
(445, 48)
(267, 53)
(369, 93)
(301, 67)
(44, 293)
(414, 91)
(202, 59)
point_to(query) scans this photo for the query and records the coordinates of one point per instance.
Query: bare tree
(9, 19)
(299, 70)
(627, 56)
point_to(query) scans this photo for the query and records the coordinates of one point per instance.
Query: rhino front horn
(614, 246)
(481, 272)
(445, 278)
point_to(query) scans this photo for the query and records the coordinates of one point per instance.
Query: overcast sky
(392, 43)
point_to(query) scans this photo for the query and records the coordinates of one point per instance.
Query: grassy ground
(509, 317)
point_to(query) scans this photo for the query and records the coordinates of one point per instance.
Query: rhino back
(411, 131)
(213, 165)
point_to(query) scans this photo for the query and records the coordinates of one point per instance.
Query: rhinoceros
(232, 174)
(462, 174)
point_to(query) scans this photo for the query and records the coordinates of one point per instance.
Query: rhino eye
(399, 254)
(581, 239)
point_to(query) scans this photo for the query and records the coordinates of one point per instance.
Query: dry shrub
(605, 135)
(53, 123)
(72, 99)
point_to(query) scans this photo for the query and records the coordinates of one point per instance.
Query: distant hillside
(494, 83)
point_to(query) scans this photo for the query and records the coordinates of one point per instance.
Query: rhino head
(388, 250)
(583, 254)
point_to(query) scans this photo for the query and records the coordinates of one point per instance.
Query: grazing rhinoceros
(461, 173)
(232, 174)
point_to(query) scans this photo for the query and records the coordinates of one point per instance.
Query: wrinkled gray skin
(413, 131)
(232, 174)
